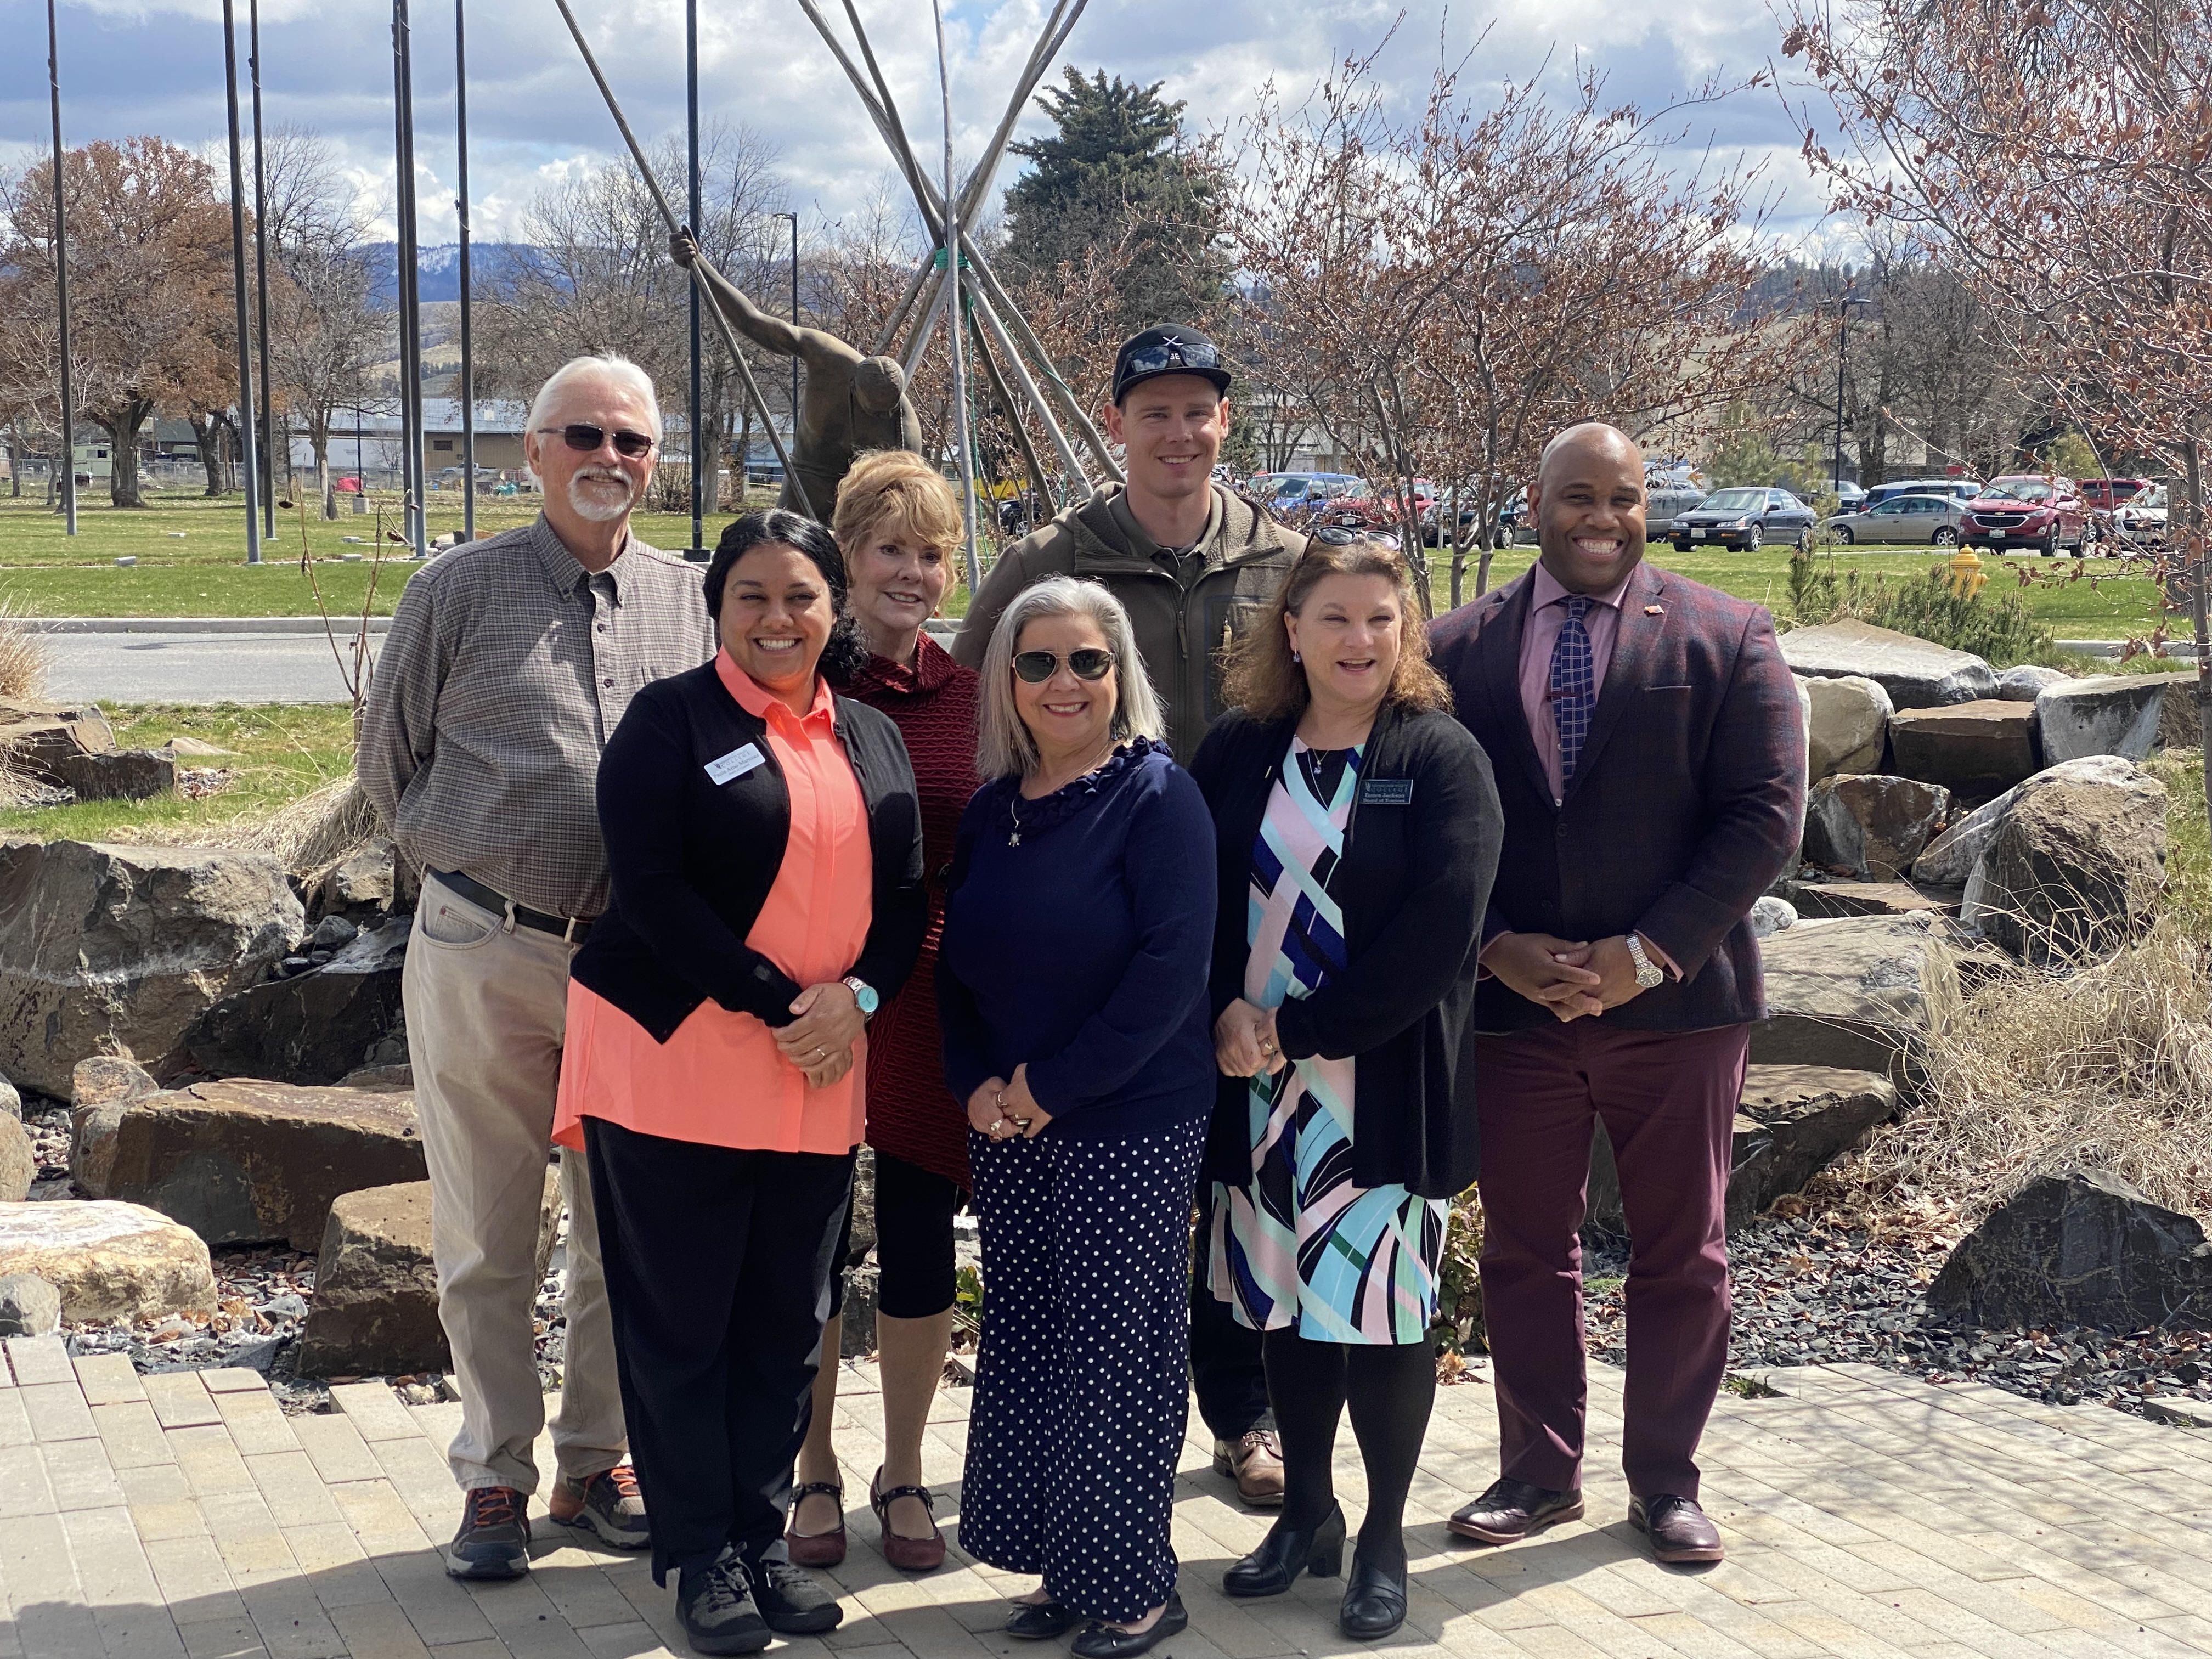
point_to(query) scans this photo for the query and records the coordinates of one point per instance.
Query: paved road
(246, 666)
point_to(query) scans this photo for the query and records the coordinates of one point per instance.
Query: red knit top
(912, 1114)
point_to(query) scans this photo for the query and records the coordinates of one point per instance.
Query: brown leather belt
(572, 929)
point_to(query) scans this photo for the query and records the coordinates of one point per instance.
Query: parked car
(2103, 494)
(1381, 504)
(1917, 520)
(2033, 511)
(2141, 519)
(1850, 498)
(1745, 516)
(1664, 500)
(1293, 492)
(1964, 488)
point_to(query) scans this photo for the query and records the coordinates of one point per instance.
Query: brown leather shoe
(1678, 1529)
(906, 1554)
(816, 1549)
(1513, 1510)
(1257, 1462)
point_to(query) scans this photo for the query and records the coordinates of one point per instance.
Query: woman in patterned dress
(1357, 831)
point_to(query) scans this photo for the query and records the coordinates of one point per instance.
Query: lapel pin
(1655, 610)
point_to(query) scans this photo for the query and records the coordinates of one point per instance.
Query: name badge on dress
(736, 763)
(1388, 792)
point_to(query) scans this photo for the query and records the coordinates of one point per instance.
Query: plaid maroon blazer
(1688, 801)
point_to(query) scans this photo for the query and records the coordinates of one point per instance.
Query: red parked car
(2033, 511)
(2103, 494)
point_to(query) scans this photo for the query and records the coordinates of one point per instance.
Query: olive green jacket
(1181, 631)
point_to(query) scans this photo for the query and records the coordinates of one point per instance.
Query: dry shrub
(2107, 1067)
(307, 835)
(23, 657)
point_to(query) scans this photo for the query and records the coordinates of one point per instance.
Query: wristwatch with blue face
(864, 994)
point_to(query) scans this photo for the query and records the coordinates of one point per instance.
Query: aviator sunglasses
(583, 437)
(1038, 666)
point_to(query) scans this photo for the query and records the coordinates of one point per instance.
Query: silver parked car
(1915, 520)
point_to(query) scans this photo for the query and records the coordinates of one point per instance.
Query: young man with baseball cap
(1195, 564)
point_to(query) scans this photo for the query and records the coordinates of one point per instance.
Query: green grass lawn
(191, 555)
(280, 752)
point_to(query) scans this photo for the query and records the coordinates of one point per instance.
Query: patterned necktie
(1573, 687)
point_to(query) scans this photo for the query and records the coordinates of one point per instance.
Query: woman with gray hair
(1072, 986)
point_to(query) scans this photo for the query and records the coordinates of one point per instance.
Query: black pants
(1083, 1383)
(917, 1276)
(718, 1274)
(1227, 1366)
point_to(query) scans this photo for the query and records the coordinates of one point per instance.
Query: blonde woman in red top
(898, 525)
(766, 848)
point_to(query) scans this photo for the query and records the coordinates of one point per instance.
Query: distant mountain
(439, 267)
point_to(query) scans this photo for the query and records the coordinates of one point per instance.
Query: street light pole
(412, 481)
(261, 271)
(701, 456)
(1843, 304)
(245, 446)
(61, 280)
(461, 212)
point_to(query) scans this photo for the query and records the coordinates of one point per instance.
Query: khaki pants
(487, 1006)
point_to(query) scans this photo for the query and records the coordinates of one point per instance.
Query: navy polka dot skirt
(1083, 1383)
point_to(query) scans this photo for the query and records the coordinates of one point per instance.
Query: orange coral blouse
(721, 1080)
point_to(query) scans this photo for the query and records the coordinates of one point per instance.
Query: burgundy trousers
(1668, 1101)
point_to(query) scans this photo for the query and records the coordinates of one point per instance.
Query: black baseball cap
(1167, 348)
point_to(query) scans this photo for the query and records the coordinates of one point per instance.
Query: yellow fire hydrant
(1967, 575)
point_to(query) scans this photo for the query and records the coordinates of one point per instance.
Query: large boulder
(1794, 1122)
(28, 1306)
(1975, 750)
(1828, 901)
(314, 1027)
(123, 775)
(358, 886)
(2028, 681)
(247, 1162)
(11, 1103)
(1916, 673)
(40, 741)
(101, 1087)
(1858, 995)
(2103, 714)
(2178, 726)
(1951, 857)
(376, 1307)
(2082, 1248)
(1849, 716)
(19, 1164)
(1871, 826)
(108, 1260)
(2076, 864)
(101, 944)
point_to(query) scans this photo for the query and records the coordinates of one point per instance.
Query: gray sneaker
(607, 1503)
(493, 1541)
(716, 1606)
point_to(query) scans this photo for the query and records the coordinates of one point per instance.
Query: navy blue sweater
(1083, 949)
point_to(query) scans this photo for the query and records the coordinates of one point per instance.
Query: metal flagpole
(700, 266)
(61, 281)
(411, 298)
(461, 212)
(955, 323)
(247, 453)
(701, 457)
(261, 270)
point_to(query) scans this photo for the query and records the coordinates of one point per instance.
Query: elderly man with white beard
(509, 662)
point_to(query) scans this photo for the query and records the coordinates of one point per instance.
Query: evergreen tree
(1115, 182)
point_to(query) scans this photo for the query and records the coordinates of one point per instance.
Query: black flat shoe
(1039, 1621)
(1286, 1552)
(1100, 1640)
(1374, 1601)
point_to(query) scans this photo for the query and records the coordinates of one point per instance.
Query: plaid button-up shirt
(506, 668)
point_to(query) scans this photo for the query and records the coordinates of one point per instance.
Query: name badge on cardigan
(736, 763)
(1386, 792)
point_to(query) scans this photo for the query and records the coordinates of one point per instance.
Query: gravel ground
(1813, 1293)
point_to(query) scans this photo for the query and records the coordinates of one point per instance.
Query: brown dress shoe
(1512, 1510)
(816, 1549)
(1677, 1528)
(906, 1554)
(1257, 1462)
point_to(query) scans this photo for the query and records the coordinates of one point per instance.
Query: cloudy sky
(134, 66)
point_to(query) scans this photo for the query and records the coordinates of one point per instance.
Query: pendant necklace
(1014, 811)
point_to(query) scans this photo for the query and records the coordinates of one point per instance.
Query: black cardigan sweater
(693, 860)
(1420, 852)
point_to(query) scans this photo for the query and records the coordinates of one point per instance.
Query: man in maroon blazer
(1651, 758)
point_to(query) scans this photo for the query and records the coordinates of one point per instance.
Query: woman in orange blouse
(766, 847)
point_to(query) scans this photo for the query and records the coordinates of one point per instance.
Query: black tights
(1389, 1387)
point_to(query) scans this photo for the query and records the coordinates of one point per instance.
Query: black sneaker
(716, 1606)
(791, 1598)
(493, 1541)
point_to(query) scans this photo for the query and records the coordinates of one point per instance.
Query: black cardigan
(693, 860)
(1414, 884)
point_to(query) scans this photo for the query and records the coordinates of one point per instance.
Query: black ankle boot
(1374, 1600)
(1286, 1552)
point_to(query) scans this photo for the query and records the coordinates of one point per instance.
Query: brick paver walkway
(182, 1517)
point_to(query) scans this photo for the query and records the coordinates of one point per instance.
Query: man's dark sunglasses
(583, 437)
(1038, 666)
(1171, 353)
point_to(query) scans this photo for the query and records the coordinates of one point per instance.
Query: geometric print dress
(1300, 1243)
